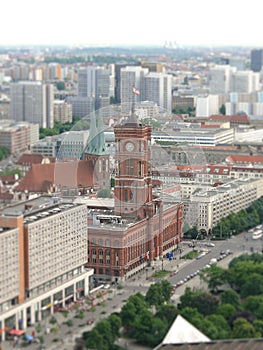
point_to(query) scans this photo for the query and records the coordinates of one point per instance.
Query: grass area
(160, 273)
(191, 255)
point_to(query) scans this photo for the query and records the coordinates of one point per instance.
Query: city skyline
(104, 23)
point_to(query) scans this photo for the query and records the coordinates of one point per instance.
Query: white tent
(182, 331)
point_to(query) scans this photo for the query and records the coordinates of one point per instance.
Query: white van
(213, 261)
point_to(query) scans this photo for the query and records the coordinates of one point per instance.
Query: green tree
(115, 323)
(159, 293)
(104, 193)
(104, 328)
(226, 310)
(60, 85)
(208, 328)
(7, 172)
(94, 340)
(222, 109)
(4, 152)
(154, 295)
(193, 316)
(252, 286)
(243, 329)
(167, 312)
(135, 305)
(254, 304)
(222, 328)
(258, 325)
(213, 276)
(204, 302)
(147, 329)
(230, 297)
(152, 122)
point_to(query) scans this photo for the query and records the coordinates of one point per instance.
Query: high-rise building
(256, 60)
(158, 89)
(32, 102)
(95, 82)
(117, 73)
(81, 106)
(244, 82)
(219, 79)
(131, 76)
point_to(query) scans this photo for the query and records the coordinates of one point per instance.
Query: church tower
(133, 179)
(96, 153)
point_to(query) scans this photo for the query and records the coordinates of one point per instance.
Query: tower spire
(93, 132)
(133, 119)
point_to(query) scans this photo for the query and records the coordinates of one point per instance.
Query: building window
(107, 257)
(101, 256)
(129, 166)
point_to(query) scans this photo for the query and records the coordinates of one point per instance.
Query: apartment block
(206, 206)
(18, 136)
(43, 251)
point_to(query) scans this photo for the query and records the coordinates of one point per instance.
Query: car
(210, 244)
(106, 286)
(173, 273)
(179, 283)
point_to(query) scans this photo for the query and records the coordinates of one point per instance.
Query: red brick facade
(142, 228)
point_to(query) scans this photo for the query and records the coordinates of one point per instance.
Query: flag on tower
(135, 91)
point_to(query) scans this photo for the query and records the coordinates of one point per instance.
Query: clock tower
(133, 180)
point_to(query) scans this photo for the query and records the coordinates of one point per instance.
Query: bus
(257, 234)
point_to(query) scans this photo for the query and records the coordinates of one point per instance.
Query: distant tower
(256, 59)
(133, 180)
(97, 155)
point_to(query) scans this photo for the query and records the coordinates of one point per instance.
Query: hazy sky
(146, 22)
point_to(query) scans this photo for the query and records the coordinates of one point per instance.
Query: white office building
(207, 105)
(220, 79)
(131, 76)
(158, 89)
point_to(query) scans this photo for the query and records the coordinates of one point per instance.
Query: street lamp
(146, 270)
(162, 263)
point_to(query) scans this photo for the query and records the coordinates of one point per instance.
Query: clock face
(129, 146)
